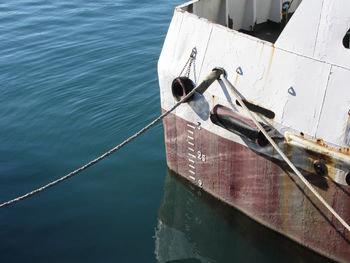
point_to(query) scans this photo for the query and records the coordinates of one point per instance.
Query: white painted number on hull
(201, 156)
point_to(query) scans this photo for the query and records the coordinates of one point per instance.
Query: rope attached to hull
(284, 157)
(213, 75)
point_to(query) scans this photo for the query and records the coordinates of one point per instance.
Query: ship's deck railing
(264, 19)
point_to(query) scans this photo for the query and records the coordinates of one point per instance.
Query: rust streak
(321, 143)
(286, 193)
(236, 79)
(347, 131)
(269, 65)
(318, 150)
(261, 50)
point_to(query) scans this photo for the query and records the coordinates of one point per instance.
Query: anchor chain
(189, 63)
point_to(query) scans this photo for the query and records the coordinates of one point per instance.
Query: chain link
(189, 62)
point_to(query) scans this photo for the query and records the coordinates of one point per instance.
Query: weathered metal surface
(263, 189)
(334, 120)
(336, 160)
(302, 79)
(304, 95)
(266, 70)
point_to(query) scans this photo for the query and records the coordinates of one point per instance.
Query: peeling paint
(337, 161)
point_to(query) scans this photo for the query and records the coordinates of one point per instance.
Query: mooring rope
(162, 116)
(284, 157)
(111, 151)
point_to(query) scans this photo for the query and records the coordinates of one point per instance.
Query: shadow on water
(194, 227)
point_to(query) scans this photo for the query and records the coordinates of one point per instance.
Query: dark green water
(77, 78)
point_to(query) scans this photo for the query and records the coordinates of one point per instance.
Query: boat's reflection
(194, 227)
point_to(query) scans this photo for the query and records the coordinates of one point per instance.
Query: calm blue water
(76, 78)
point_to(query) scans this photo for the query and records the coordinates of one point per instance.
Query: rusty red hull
(261, 188)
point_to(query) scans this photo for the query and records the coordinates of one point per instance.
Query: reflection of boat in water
(289, 61)
(193, 227)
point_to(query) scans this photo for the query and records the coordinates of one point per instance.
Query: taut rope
(284, 157)
(116, 148)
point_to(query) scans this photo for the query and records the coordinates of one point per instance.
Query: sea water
(77, 78)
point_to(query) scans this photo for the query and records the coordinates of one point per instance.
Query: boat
(264, 120)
